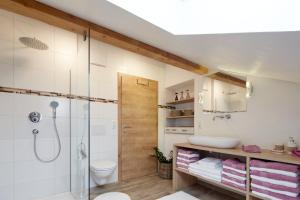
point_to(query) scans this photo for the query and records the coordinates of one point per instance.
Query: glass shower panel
(80, 120)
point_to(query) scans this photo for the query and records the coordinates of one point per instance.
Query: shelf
(257, 196)
(219, 184)
(181, 101)
(180, 117)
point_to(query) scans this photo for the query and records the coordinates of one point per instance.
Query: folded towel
(228, 176)
(188, 156)
(265, 196)
(235, 172)
(276, 187)
(196, 167)
(275, 171)
(233, 179)
(275, 165)
(276, 176)
(234, 163)
(240, 185)
(184, 160)
(210, 162)
(290, 194)
(233, 185)
(235, 176)
(251, 149)
(206, 175)
(187, 151)
(276, 182)
(274, 195)
(182, 165)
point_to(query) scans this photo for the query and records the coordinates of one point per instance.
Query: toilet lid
(103, 165)
(113, 196)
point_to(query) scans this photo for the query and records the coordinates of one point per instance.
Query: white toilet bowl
(113, 196)
(101, 170)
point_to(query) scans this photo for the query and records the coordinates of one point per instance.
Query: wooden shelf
(180, 117)
(219, 184)
(181, 101)
(183, 178)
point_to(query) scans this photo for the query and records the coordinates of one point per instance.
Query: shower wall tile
(6, 104)
(6, 151)
(63, 65)
(6, 128)
(6, 174)
(6, 75)
(6, 53)
(65, 42)
(7, 25)
(7, 192)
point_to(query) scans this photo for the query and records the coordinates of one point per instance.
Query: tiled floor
(153, 187)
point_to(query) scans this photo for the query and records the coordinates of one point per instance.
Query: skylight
(186, 17)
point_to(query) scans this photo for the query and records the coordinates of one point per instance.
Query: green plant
(161, 157)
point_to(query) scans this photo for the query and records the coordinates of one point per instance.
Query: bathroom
(66, 129)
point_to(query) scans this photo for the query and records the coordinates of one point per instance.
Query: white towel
(275, 171)
(210, 162)
(233, 169)
(277, 182)
(234, 176)
(186, 160)
(181, 163)
(290, 194)
(196, 167)
(233, 182)
(179, 196)
(206, 175)
(265, 195)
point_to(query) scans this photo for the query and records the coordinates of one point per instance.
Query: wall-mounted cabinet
(181, 98)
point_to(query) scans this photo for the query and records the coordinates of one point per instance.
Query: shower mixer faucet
(35, 117)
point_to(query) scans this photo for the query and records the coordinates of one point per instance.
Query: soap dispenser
(291, 145)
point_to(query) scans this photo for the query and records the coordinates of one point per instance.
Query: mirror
(224, 93)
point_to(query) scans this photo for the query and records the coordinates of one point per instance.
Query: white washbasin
(217, 142)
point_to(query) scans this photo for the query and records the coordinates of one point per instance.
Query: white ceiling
(274, 55)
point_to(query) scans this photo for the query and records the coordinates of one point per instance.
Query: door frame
(120, 119)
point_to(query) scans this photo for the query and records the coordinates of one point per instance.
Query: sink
(217, 142)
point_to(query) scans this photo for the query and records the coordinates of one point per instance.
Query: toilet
(113, 196)
(101, 170)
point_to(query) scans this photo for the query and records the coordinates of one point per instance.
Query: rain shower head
(54, 104)
(33, 43)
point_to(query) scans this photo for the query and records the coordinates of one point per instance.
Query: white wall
(104, 84)
(273, 114)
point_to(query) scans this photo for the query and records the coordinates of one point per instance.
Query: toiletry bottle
(176, 96)
(187, 94)
(181, 96)
(291, 145)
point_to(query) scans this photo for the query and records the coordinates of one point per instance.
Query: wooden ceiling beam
(53, 16)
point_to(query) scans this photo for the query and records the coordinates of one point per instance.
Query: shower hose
(58, 141)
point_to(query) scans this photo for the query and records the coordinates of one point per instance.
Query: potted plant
(164, 164)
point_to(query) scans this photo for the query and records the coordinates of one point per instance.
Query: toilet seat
(103, 165)
(113, 196)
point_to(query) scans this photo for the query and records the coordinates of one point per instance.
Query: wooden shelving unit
(183, 178)
(179, 117)
(182, 101)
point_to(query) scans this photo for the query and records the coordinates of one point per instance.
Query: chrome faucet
(227, 116)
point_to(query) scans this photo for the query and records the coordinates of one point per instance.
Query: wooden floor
(153, 187)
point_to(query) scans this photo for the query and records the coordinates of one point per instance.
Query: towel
(196, 167)
(240, 185)
(276, 182)
(188, 161)
(210, 162)
(233, 185)
(275, 171)
(276, 187)
(234, 163)
(188, 156)
(274, 195)
(251, 149)
(186, 151)
(233, 171)
(275, 165)
(234, 176)
(290, 194)
(264, 195)
(276, 176)
(233, 179)
(206, 175)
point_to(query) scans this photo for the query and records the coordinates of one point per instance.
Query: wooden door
(138, 125)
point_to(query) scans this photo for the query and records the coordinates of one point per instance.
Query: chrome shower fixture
(33, 43)
(35, 117)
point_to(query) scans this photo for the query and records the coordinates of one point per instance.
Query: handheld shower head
(54, 105)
